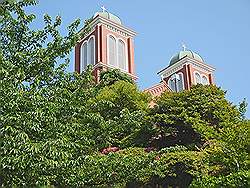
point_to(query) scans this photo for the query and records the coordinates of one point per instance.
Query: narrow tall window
(204, 80)
(197, 78)
(121, 55)
(91, 50)
(87, 53)
(180, 82)
(112, 51)
(176, 82)
(172, 84)
(84, 56)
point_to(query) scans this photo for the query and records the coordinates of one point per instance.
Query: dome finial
(184, 46)
(103, 9)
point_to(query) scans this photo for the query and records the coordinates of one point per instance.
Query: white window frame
(181, 75)
(206, 78)
(82, 68)
(88, 61)
(169, 80)
(108, 36)
(125, 53)
(195, 81)
(201, 76)
(82, 55)
(117, 46)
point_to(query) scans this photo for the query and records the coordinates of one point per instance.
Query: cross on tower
(103, 9)
(184, 47)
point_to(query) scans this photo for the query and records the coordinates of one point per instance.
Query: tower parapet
(185, 69)
(108, 44)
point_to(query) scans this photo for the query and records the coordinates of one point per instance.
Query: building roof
(185, 53)
(109, 16)
(157, 89)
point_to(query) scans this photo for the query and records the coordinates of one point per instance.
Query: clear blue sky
(219, 30)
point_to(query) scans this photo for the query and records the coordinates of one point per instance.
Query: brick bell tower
(185, 69)
(108, 44)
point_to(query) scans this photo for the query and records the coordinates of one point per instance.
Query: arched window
(204, 80)
(176, 82)
(117, 55)
(180, 82)
(91, 51)
(87, 53)
(121, 55)
(197, 78)
(84, 56)
(172, 84)
(112, 51)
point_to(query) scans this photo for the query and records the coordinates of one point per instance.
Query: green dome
(185, 53)
(109, 16)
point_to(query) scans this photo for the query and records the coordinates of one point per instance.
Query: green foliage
(201, 112)
(243, 108)
(239, 179)
(53, 124)
(113, 98)
(205, 103)
(48, 123)
(123, 107)
(33, 54)
(109, 77)
(87, 28)
(203, 120)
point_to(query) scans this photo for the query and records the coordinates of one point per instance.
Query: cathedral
(109, 45)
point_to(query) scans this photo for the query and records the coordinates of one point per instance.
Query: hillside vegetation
(60, 129)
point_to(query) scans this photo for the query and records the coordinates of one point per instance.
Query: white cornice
(185, 61)
(122, 28)
(111, 26)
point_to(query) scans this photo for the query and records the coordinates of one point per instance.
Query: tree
(205, 122)
(35, 93)
(54, 124)
(48, 124)
(110, 76)
(123, 106)
(33, 54)
(243, 108)
(112, 99)
(201, 112)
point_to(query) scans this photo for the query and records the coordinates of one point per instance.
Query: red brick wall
(188, 73)
(193, 70)
(129, 44)
(101, 55)
(131, 56)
